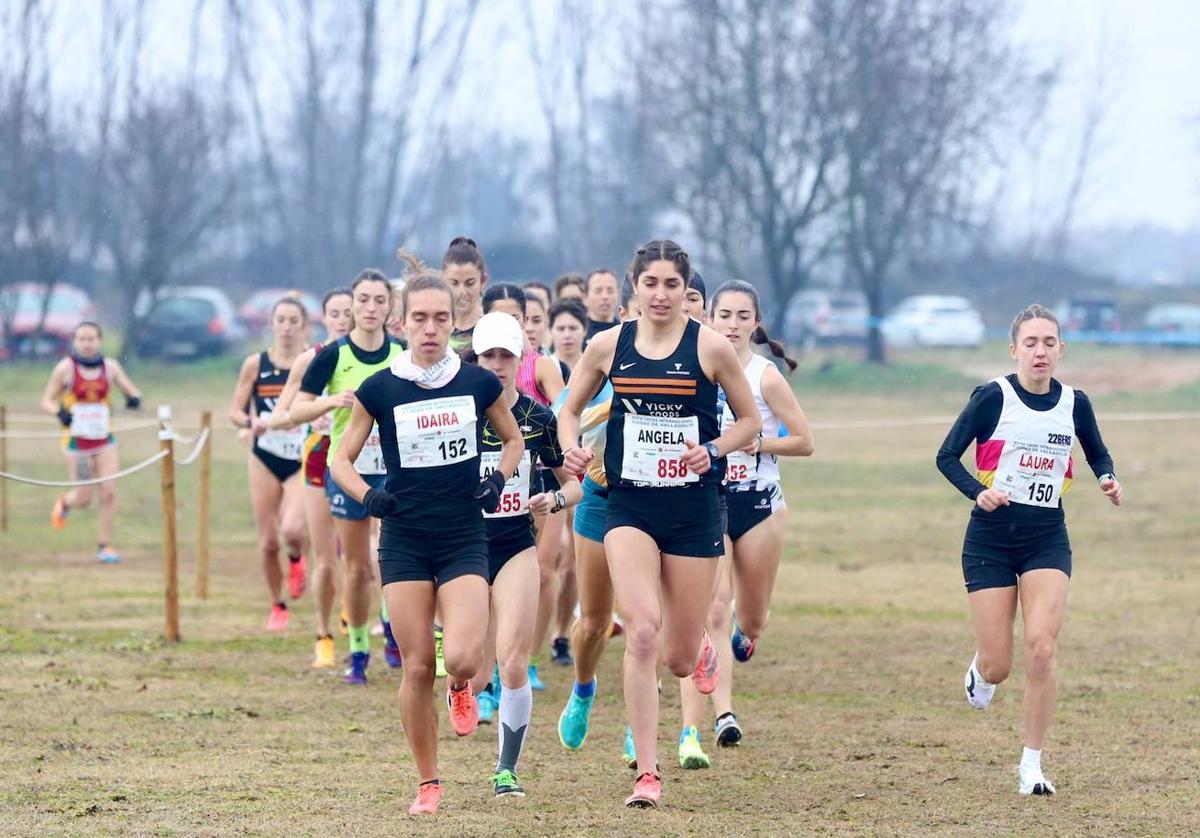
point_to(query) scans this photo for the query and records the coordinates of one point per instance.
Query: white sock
(1031, 759)
(516, 706)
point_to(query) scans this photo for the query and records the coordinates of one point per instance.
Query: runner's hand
(576, 460)
(1113, 491)
(381, 503)
(696, 457)
(989, 500)
(753, 447)
(64, 416)
(133, 402)
(258, 426)
(489, 491)
(342, 399)
(542, 503)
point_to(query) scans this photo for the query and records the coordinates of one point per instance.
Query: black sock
(282, 604)
(431, 783)
(294, 559)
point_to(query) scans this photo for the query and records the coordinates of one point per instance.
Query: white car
(932, 320)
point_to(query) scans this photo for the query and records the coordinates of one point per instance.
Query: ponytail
(761, 337)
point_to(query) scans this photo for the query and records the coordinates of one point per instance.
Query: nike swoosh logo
(971, 686)
(347, 369)
(265, 374)
(625, 366)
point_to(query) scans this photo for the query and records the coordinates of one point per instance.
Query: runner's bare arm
(238, 414)
(55, 386)
(781, 399)
(586, 380)
(512, 443)
(281, 418)
(123, 380)
(549, 377)
(726, 370)
(341, 462)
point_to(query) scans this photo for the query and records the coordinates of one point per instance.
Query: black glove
(64, 416)
(381, 504)
(133, 402)
(489, 491)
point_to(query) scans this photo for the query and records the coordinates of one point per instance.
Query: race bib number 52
(437, 432)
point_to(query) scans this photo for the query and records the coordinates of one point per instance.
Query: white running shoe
(979, 692)
(1033, 781)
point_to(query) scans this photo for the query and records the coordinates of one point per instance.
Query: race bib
(654, 449)
(370, 458)
(89, 420)
(286, 445)
(515, 499)
(741, 467)
(437, 432)
(1032, 473)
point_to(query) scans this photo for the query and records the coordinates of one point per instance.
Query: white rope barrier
(201, 441)
(133, 426)
(67, 484)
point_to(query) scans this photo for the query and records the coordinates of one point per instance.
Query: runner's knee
(592, 627)
(419, 674)
(642, 638)
(269, 546)
(462, 663)
(1040, 650)
(753, 625)
(994, 671)
(108, 493)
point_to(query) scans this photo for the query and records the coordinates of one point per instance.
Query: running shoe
(464, 710)
(1033, 781)
(729, 732)
(297, 577)
(691, 755)
(439, 659)
(979, 692)
(708, 670)
(562, 652)
(357, 671)
(107, 555)
(504, 784)
(629, 754)
(429, 795)
(278, 621)
(647, 790)
(497, 687)
(535, 683)
(377, 629)
(324, 653)
(58, 513)
(391, 651)
(488, 705)
(573, 722)
(743, 646)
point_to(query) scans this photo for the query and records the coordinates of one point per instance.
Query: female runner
(336, 371)
(275, 483)
(513, 565)
(433, 552)
(568, 326)
(466, 273)
(757, 514)
(78, 394)
(664, 460)
(1016, 547)
(338, 316)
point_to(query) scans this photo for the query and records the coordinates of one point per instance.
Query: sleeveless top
(658, 405)
(268, 386)
(527, 378)
(89, 401)
(744, 472)
(1029, 453)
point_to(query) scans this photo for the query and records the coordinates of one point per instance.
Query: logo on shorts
(338, 500)
(762, 501)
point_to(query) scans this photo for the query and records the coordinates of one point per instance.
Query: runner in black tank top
(663, 458)
(279, 451)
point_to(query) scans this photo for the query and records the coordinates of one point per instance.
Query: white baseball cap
(497, 330)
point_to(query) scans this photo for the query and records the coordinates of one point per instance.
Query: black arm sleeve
(1088, 434)
(320, 371)
(977, 421)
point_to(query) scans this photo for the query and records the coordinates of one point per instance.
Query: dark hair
(568, 279)
(503, 291)
(628, 292)
(291, 298)
(663, 250)
(336, 292)
(534, 298)
(570, 307)
(420, 277)
(541, 286)
(369, 275)
(464, 251)
(92, 323)
(1034, 312)
(760, 336)
(697, 283)
(587, 282)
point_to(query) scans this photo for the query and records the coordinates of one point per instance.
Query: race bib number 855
(437, 432)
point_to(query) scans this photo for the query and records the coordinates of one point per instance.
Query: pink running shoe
(464, 709)
(278, 621)
(429, 795)
(297, 577)
(647, 790)
(708, 670)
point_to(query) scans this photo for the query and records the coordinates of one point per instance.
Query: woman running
(466, 273)
(276, 486)
(79, 395)
(336, 371)
(338, 316)
(568, 327)
(757, 514)
(513, 564)
(429, 408)
(1016, 547)
(664, 460)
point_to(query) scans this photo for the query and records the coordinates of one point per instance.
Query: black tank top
(656, 405)
(268, 386)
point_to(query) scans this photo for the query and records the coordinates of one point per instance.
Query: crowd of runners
(598, 457)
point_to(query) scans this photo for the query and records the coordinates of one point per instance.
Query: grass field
(853, 705)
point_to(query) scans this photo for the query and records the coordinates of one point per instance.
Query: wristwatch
(560, 502)
(713, 451)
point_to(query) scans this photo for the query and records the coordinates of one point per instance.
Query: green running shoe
(630, 754)
(691, 755)
(440, 661)
(504, 784)
(573, 722)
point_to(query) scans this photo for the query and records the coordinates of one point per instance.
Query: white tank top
(1034, 465)
(742, 470)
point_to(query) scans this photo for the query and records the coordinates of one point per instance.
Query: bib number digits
(370, 458)
(287, 445)
(515, 499)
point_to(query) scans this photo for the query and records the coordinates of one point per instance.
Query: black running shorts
(996, 553)
(682, 521)
(424, 556)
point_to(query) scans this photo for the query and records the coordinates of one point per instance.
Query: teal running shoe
(573, 723)
(630, 753)
(535, 683)
(691, 755)
(488, 704)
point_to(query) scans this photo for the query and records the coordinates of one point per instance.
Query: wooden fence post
(166, 439)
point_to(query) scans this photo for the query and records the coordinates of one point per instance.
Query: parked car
(815, 316)
(256, 310)
(21, 310)
(190, 322)
(1176, 318)
(1088, 314)
(931, 320)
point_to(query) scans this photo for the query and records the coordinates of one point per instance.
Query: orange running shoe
(297, 577)
(429, 795)
(278, 621)
(58, 513)
(708, 670)
(647, 790)
(464, 709)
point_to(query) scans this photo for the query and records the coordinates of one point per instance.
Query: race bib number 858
(437, 432)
